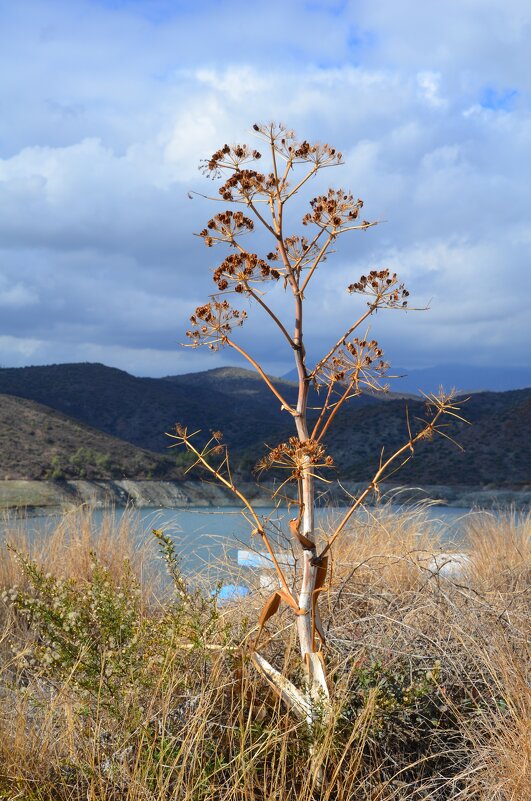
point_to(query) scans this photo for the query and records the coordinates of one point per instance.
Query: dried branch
(442, 404)
(295, 700)
(283, 403)
(183, 438)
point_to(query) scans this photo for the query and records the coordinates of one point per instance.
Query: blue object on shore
(231, 592)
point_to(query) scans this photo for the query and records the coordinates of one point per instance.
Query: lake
(204, 535)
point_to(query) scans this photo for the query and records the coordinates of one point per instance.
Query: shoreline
(42, 497)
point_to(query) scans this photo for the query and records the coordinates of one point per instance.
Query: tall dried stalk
(353, 364)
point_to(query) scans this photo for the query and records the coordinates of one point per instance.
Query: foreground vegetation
(116, 682)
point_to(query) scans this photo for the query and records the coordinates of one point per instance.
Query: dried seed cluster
(245, 184)
(228, 225)
(286, 143)
(228, 156)
(384, 286)
(296, 456)
(301, 251)
(213, 323)
(242, 268)
(334, 210)
(359, 362)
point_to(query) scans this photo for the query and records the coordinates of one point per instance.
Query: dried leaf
(321, 574)
(304, 541)
(270, 608)
(317, 625)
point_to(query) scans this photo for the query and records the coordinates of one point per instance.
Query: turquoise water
(203, 536)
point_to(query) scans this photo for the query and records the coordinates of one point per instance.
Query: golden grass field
(118, 684)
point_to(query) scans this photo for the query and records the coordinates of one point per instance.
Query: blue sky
(108, 106)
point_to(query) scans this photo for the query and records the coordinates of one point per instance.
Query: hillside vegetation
(496, 450)
(37, 442)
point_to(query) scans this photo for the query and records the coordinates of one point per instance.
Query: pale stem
(307, 501)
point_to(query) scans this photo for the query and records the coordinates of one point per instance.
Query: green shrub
(90, 632)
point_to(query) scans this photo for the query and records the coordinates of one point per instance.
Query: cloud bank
(109, 106)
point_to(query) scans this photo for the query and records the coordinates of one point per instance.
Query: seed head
(384, 287)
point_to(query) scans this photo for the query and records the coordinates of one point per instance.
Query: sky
(107, 107)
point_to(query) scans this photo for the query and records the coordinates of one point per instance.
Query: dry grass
(500, 556)
(67, 549)
(432, 693)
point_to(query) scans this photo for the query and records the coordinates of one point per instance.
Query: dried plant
(353, 364)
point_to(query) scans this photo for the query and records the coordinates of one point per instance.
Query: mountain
(496, 443)
(465, 378)
(138, 410)
(141, 410)
(37, 442)
(93, 411)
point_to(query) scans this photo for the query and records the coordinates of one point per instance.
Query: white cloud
(194, 136)
(429, 84)
(17, 351)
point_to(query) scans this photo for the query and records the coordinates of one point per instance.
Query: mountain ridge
(137, 412)
(465, 378)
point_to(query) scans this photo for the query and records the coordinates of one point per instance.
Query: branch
(345, 396)
(316, 262)
(324, 409)
(301, 183)
(285, 404)
(362, 227)
(341, 341)
(445, 406)
(185, 439)
(262, 219)
(271, 313)
(287, 691)
(274, 160)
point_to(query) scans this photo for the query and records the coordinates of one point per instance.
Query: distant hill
(141, 410)
(129, 411)
(37, 442)
(465, 378)
(497, 443)
(138, 410)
